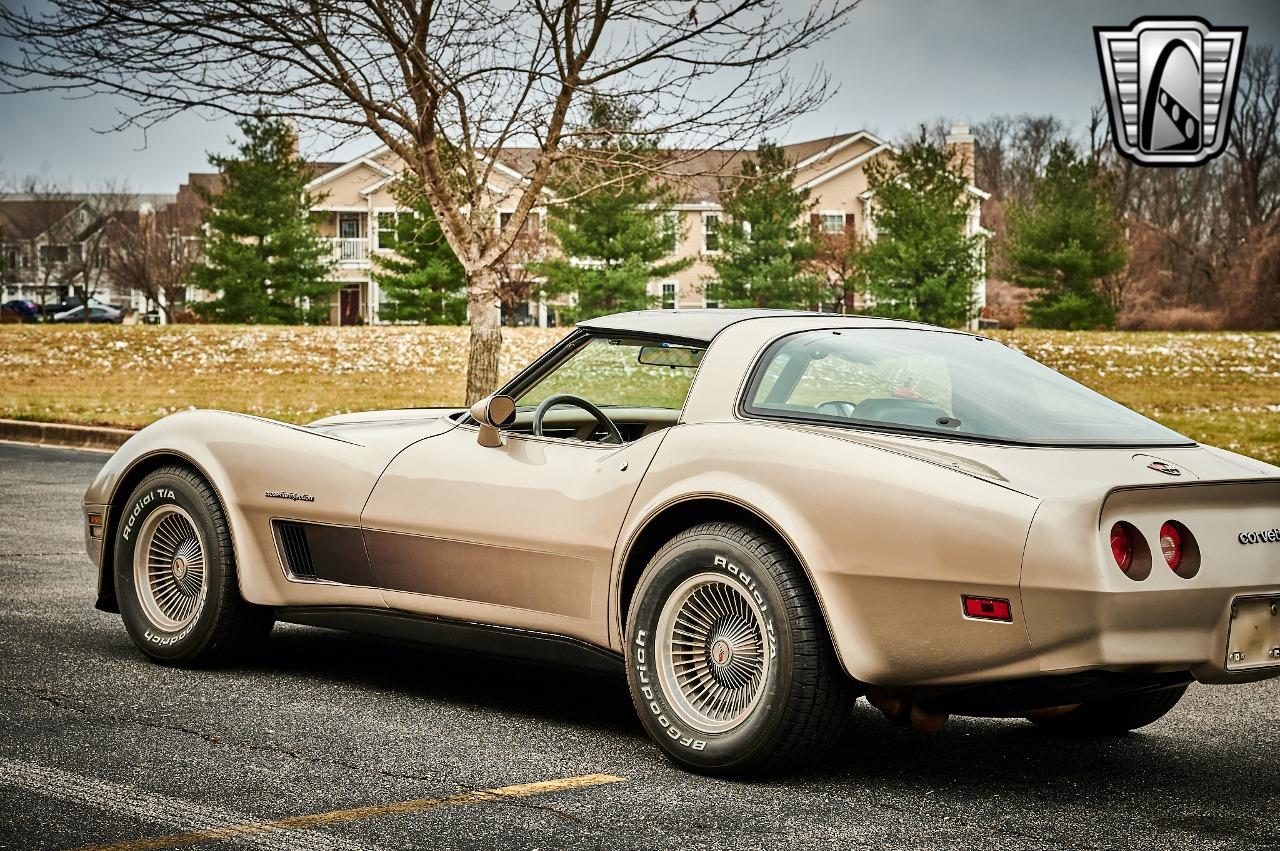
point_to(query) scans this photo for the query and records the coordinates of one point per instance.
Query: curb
(64, 434)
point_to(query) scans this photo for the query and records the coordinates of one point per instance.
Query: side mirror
(493, 412)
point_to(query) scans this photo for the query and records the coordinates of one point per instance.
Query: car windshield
(939, 383)
(611, 372)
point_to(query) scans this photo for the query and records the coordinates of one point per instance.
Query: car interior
(637, 386)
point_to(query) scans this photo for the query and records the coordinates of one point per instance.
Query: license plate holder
(1254, 638)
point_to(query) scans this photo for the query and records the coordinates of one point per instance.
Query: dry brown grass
(1222, 388)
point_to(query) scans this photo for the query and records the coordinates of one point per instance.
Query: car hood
(1055, 471)
(376, 427)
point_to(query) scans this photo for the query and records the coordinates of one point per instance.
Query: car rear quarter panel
(243, 458)
(890, 542)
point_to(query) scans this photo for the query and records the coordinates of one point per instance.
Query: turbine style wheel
(728, 659)
(168, 568)
(175, 572)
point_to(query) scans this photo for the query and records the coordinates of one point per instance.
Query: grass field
(1221, 388)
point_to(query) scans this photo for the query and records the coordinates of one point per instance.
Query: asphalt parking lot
(328, 740)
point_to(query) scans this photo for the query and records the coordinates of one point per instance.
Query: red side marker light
(987, 609)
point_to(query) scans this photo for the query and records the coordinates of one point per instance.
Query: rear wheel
(1113, 715)
(175, 573)
(728, 659)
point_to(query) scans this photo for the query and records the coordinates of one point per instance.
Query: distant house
(49, 244)
(357, 212)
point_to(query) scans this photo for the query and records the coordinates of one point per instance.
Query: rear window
(938, 383)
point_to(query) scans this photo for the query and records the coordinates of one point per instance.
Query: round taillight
(1171, 544)
(1122, 546)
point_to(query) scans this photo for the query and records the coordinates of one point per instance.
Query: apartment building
(357, 212)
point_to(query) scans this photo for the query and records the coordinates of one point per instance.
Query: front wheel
(1113, 716)
(175, 573)
(728, 659)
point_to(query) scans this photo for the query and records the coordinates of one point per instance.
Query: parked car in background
(21, 310)
(97, 313)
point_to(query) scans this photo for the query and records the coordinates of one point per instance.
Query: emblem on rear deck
(1162, 467)
(1170, 86)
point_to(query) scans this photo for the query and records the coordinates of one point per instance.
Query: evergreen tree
(766, 243)
(423, 280)
(1064, 241)
(920, 265)
(261, 253)
(613, 239)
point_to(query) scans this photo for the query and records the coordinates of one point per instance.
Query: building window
(388, 228)
(54, 253)
(668, 295)
(710, 232)
(832, 222)
(670, 224)
(530, 222)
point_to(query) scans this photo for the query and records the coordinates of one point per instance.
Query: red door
(349, 306)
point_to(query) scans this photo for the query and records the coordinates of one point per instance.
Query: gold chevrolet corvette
(759, 515)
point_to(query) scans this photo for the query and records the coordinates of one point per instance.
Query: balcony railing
(350, 251)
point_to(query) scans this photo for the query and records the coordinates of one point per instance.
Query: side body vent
(295, 550)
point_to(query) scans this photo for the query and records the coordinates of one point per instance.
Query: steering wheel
(839, 407)
(909, 412)
(613, 436)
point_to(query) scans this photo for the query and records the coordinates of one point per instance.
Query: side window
(621, 374)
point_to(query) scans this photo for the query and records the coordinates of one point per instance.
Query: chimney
(295, 144)
(960, 147)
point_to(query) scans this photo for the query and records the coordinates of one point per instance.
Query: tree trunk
(486, 334)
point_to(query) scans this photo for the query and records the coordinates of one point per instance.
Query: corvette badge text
(1269, 536)
(160, 493)
(296, 497)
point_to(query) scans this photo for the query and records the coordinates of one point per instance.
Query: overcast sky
(897, 63)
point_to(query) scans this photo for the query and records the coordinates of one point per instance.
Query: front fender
(244, 458)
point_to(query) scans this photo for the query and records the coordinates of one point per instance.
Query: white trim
(511, 173)
(695, 206)
(973, 190)
(837, 147)
(349, 166)
(378, 184)
(845, 166)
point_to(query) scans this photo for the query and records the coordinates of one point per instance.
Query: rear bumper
(1084, 613)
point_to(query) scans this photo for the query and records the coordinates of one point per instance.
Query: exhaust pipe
(902, 712)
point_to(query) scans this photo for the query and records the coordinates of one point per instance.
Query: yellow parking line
(234, 831)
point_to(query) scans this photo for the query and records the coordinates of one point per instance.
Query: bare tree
(154, 253)
(90, 257)
(1255, 137)
(447, 85)
(518, 283)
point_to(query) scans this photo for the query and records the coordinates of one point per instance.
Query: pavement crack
(67, 704)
